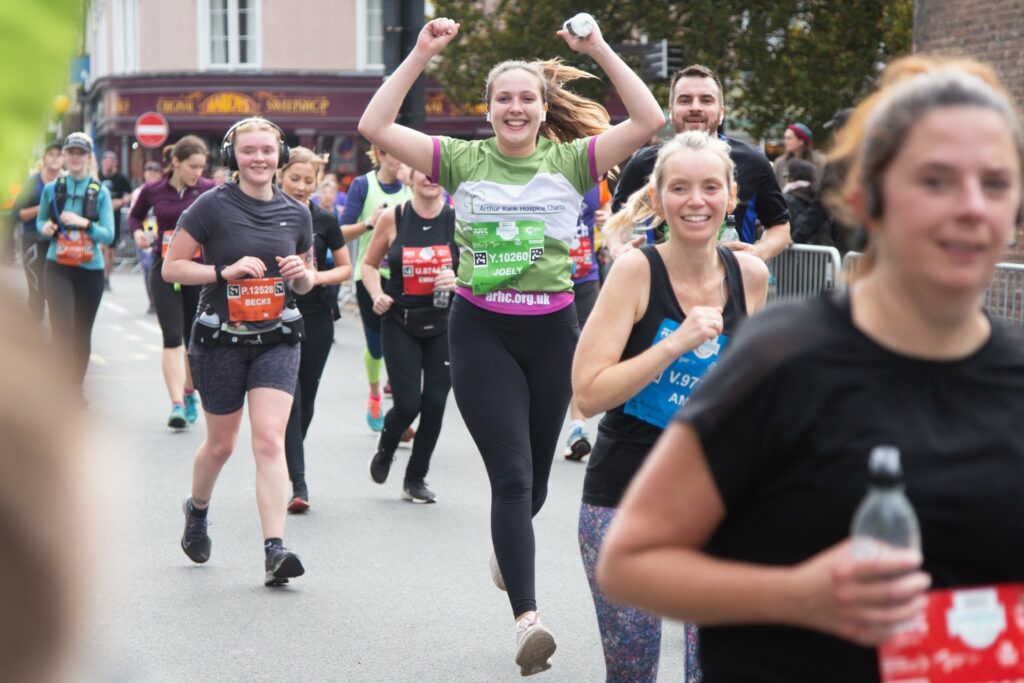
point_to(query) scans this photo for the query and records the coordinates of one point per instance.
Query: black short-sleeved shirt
(787, 425)
(326, 237)
(119, 188)
(230, 224)
(760, 198)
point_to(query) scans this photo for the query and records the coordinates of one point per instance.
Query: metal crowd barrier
(1004, 297)
(802, 271)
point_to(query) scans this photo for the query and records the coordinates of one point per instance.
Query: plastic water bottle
(581, 25)
(727, 232)
(207, 327)
(293, 327)
(442, 297)
(884, 520)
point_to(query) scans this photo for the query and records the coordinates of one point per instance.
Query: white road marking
(115, 327)
(153, 347)
(149, 327)
(98, 359)
(133, 337)
(115, 307)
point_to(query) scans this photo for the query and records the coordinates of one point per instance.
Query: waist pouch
(290, 333)
(426, 321)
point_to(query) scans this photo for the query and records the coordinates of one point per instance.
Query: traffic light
(660, 61)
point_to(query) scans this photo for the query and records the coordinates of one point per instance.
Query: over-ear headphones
(227, 146)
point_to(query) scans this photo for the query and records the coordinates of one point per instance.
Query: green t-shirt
(515, 217)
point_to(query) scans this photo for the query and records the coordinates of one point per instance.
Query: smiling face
(76, 161)
(696, 105)
(950, 200)
(256, 153)
(422, 187)
(52, 160)
(298, 181)
(191, 169)
(516, 108)
(694, 195)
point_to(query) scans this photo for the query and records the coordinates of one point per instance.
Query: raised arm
(378, 121)
(645, 116)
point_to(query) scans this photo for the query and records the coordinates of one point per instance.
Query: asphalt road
(393, 591)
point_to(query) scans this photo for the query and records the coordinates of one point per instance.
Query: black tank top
(413, 269)
(623, 440)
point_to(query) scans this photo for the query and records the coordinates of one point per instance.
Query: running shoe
(577, 446)
(191, 407)
(380, 466)
(282, 564)
(300, 498)
(387, 388)
(416, 490)
(534, 645)
(496, 576)
(374, 415)
(195, 541)
(177, 419)
(408, 435)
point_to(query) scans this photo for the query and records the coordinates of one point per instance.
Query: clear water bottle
(207, 327)
(442, 297)
(727, 231)
(293, 327)
(884, 520)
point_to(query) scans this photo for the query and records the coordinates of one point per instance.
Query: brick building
(989, 30)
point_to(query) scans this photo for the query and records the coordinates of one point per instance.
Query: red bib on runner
(582, 255)
(420, 265)
(74, 248)
(255, 299)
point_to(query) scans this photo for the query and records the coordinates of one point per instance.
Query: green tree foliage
(781, 61)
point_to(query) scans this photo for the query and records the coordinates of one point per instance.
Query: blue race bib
(659, 401)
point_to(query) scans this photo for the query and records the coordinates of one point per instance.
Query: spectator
(798, 143)
(120, 195)
(798, 191)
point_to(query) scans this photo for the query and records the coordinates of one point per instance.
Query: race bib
(255, 299)
(420, 265)
(165, 244)
(966, 635)
(659, 401)
(582, 254)
(74, 248)
(503, 250)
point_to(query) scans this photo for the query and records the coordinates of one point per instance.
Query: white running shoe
(534, 645)
(496, 576)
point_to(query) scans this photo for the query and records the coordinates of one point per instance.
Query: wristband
(369, 226)
(219, 270)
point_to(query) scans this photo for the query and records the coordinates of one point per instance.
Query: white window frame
(125, 46)
(255, 44)
(362, 44)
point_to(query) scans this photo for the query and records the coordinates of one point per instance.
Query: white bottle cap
(581, 25)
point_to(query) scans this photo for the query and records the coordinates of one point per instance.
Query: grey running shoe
(496, 576)
(282, 564)
(534, 646)
(416, 491)
(380, 466)
(195, 541)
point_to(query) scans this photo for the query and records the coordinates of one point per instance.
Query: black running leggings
(175, 310)
(319, 324)
(73, 299)
(511, 377)
(413, 363)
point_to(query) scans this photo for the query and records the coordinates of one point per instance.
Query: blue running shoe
(192, 407)
(177, 418)
(374, 414)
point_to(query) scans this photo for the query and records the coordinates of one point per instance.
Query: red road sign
(151, 129)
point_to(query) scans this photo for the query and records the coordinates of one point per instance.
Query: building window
(229, 34)
(370, 34)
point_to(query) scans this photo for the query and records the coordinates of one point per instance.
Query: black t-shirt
(787, 425)
(624, 440)
(119, 188)
(326, 237)
(760, 198)
(230, 224)
(413, 230)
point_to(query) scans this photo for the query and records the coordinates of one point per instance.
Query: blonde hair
(304, 155)
(910, 88)
(569, 116)
(640, 205)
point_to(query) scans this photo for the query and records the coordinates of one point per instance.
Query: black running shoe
(416, 491)
(380, 466)
(300, 498)
(282, 564)
(195, 541)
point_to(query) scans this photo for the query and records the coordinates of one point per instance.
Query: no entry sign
(151, 129)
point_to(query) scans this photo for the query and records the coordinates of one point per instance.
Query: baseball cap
(78, 141)
(52, 144)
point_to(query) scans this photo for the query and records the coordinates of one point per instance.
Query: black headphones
(227, 146)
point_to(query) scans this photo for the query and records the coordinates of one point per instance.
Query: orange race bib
(165, 244)
(74, 248)
(420, 265)
(255, 299)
